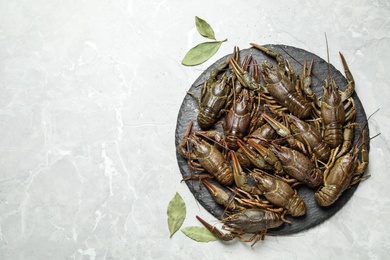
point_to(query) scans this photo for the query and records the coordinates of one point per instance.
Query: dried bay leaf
(176, 212)
(201, 52)
(204, 28)
(199, 234)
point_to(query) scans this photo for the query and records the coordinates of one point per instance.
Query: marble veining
(89, 96)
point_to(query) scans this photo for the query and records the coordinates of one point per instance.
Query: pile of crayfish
(277, 135)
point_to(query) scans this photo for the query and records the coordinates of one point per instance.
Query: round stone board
(189, 111)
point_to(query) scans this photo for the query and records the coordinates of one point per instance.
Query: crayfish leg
(331, 161)
(194, 96)
(362, 166)
(256, 237)
(283, 218)
(348, 135)
(200, 176)
(183, 145)
(350, 109)
(358, 178)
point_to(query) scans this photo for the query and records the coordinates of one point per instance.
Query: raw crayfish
(254, 220)
(281, 85)
(216, 96)
(241, 117)
(206, 157)
(347, 170)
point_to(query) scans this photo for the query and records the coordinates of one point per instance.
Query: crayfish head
(296, 124)
(281, 152)
(243, 103)
(263, 180)
(331, 93)
(248, 220)
(200, 146)
(220, 87)
(270, 74)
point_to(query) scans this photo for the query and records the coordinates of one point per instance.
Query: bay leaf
(176, 212)
(201, 52)
(204, 28)
(199, 234)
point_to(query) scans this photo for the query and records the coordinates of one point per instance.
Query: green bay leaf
(199, 234)
(176, 212)
(201, 52)
(204, 28)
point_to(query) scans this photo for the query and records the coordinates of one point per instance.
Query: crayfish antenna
(327, 53)
(366, 124)
(364, 127)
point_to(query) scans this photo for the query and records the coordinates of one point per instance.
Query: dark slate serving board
(189, 110)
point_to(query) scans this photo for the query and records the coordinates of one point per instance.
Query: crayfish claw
(216, 232)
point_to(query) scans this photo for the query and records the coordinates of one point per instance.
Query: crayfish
(241, 220)
(254, 220)
(282, 84)
(342, 173)
(241, 117)
(205, 156)
(216, 95)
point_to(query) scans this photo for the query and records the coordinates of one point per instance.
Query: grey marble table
(89, 96)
